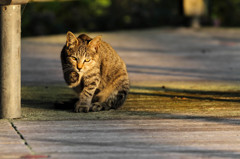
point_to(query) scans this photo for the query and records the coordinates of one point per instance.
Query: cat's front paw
(81, 108)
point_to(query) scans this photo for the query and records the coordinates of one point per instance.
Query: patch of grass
(145, 101)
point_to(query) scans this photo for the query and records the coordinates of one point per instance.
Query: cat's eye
(74, 58)
(87, 60)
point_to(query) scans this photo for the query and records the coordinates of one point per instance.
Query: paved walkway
(151, 55)
(165, 138)
(178, 56)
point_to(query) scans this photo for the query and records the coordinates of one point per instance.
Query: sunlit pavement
(183, 101)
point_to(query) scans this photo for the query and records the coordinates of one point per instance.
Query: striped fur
(95, 71)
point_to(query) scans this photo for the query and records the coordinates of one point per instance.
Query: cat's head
(80, 56)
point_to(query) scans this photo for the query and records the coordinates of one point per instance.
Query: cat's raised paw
(73, 77)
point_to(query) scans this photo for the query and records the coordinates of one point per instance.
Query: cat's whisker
(67, 70)
(66, 66)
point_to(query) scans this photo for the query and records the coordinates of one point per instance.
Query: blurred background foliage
(105, 15)
(226, 11)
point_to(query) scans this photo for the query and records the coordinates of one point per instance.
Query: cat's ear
(71, 41)
(94, 43)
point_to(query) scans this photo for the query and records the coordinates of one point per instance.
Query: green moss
(145, 101)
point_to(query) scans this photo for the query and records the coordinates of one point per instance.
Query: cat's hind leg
(98, 100)
(111, 97)
(113, 101)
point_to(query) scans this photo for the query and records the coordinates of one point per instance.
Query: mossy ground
(145, 101)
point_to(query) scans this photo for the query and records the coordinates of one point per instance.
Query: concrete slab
(164, 138)
(11, 145)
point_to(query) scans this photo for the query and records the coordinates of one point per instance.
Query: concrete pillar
(10, 61)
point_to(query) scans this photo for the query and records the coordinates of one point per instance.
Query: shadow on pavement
(190, 94)
(199, 73)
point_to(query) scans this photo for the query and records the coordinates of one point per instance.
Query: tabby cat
(95, 71)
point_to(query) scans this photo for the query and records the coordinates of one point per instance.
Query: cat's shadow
(65, 105)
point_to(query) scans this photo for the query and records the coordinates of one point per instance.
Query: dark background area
(106, 15)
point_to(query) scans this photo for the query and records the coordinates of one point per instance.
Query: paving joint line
(22, 137)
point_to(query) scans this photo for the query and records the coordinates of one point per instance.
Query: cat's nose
(79, 66)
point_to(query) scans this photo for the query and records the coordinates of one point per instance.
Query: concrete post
(10, 61)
